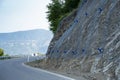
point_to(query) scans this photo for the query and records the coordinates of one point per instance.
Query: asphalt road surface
(14, 69)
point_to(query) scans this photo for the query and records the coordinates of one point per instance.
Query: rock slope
(87, 42)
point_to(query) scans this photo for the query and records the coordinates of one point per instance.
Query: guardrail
(5, 57)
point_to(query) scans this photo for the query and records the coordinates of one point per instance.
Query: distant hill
(25, 42)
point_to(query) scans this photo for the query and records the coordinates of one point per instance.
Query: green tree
(54, 13)
(58, 9)
(70, 5)
(1, 52)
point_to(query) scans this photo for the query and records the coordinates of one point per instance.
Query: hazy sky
(20, 15)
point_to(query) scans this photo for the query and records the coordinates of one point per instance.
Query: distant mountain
(25, 42)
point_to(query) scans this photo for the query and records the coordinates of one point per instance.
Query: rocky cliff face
(87, 42)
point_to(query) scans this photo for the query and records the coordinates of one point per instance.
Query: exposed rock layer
(91, 42)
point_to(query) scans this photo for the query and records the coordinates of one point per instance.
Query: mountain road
(15, 69)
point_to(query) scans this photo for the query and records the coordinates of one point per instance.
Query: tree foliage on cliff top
(57, 9)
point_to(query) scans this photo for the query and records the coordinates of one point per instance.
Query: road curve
(14, 69)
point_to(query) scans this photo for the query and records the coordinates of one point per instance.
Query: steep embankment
(88, 41)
